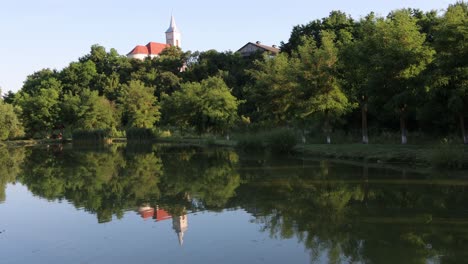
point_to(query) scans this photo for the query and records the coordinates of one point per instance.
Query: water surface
(179, 204)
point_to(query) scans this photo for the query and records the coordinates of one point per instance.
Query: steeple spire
(173, 35)
(172, 26)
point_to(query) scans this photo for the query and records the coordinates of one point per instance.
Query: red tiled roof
(139, 50)
(155, 48)
(152, 48)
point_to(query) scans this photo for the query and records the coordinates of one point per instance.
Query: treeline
(405, 71)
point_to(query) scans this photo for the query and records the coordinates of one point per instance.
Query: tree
(355, 67)
(451, 74)
(79, 76)
(10, 125)
(88, 111)
(207, 106)
(40, 113)
(398, 55)
(319, 90)
(139, 106)
(32, 84)
(273, 90)
(9, 97)
(338, 22)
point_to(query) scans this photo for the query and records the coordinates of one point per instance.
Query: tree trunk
(327, 127)
(462, 125)
(365, 136)
(404, 138)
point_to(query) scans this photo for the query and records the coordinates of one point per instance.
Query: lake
(185, 204)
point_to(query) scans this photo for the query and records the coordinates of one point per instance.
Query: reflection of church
(179, 223)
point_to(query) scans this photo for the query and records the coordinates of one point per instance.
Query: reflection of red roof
(152, 48)
(161, 215)
(147, 213)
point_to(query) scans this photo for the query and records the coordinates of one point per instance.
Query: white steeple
(180, 225)
(173, 35)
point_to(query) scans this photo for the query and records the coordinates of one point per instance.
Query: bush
(251, 142)
(281, 140)
(91, 136)
(448, 156)
(141, 135)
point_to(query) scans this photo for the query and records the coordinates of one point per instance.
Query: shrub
(91, 136)
(141, 135)
(281, 140)
(448, 156)
(251, 142)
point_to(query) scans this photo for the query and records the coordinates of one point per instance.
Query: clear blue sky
(36, 34)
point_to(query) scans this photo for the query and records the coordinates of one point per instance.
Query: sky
(37, 34)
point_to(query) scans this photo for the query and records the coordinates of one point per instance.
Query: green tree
(10, 125)
(337, 22)
(79, 76)
(398, 55)
(451, 74)
(9, 97)
(319, 87)
(40, 112)
(355, 67)
(88, 111)
(273, 90)
(208, 106)
(140, 108)
(33, 82)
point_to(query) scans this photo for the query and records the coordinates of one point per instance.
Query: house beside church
(153, 49)
(252, 48)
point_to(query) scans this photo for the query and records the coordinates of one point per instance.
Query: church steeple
(173, 35)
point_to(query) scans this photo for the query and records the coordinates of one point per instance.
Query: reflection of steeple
(180, 225)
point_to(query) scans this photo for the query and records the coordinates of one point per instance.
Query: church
(153, 49)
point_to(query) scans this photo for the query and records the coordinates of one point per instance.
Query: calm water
(174, 204)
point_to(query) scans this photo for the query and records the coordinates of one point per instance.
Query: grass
(417, 155)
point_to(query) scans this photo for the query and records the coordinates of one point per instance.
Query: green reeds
(281, 140)
(141, 135)
(91, 136)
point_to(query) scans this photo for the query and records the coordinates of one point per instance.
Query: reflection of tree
(10, 167)
(102, 182)
(334, 210)
(207, 176)
(110, 181)
(340, 212)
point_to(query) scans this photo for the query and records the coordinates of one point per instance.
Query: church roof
(152, 48)
(172, 26)
(155, 48)
(139, 50)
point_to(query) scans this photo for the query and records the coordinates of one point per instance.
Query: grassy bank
(455, 157)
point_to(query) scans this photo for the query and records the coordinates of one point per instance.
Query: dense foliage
(404, 72)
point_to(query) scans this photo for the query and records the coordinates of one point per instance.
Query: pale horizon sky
(53, 33)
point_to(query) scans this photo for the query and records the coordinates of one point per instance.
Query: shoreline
(410, 156)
